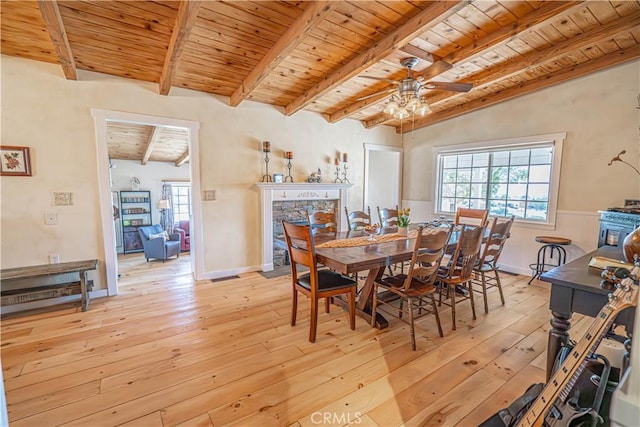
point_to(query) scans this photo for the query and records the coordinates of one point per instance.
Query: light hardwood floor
(171, 351)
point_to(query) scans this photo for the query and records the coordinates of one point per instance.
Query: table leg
(558, 335)
(363, 306)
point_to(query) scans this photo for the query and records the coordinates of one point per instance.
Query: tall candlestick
(344, 157)
(336, 161)
(288, 155)
(266, 146)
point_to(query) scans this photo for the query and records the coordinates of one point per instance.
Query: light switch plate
(209, 195)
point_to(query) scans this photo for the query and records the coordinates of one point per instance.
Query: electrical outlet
(209, 195)
(54, 259)
(50, 218)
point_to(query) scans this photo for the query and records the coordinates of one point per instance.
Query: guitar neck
(563, 380)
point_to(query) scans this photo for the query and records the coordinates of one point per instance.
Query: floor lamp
(163, 205)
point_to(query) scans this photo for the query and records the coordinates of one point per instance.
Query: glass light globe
(424, 109)
(391, 108)
(402, 113)
(413, 104)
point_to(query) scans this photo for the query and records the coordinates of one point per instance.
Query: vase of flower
(404, 221)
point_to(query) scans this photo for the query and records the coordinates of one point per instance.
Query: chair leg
(327, 303)
(374, 305)
(484, 292)
(294, 307)
(352, 309)
(435, 312)
(499, 286)
(400, 309)
(411, 327)
(314, 320)
(453, 306)
(473, 303)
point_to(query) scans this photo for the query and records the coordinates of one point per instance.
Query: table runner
(364, 240)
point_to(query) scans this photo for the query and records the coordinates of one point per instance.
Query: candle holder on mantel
(344, 173)
(266, 148)
(337, 162)
(288, 155)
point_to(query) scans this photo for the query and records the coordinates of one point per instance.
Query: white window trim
(557, 139)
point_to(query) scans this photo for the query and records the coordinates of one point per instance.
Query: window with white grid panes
(508, 179)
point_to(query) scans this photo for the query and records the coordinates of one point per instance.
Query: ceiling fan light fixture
(391, 108)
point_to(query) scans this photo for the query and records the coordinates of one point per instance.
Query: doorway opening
(382, 177)
(105, 118)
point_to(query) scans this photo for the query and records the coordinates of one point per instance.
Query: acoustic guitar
(550, 407)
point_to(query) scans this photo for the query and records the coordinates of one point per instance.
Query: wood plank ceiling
(312, 55)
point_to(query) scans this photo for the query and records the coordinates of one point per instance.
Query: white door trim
(101, 118)
(377, 147)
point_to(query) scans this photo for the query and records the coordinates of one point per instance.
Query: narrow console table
(575, 288)
(48, 275)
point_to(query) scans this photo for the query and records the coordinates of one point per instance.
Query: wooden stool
(551, 244)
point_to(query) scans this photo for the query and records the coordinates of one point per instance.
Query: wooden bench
(26, 280)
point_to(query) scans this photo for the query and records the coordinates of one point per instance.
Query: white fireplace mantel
(270, 192)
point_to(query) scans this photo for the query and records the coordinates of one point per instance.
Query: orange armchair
(183, 230)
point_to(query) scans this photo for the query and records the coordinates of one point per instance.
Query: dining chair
(388, 217)
(469, 216)
(412, 288)
(357, 220)
(487, 265)
(323, 224)
(317, 283)
(456, 276)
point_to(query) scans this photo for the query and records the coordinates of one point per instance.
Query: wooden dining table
(373, 257)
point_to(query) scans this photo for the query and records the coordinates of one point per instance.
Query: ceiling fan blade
(381, 79)
(376, 94)
(454, 87)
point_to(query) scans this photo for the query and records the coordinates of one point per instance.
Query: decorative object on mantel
(15, 161)
(315, 176)
(344, 167)
(618, 159)
(337, 163)
(288, 155)
(135, 183)
(266, 149)
(278, 178)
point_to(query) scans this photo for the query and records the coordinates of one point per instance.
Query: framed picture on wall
(278, 177)
(15, 161)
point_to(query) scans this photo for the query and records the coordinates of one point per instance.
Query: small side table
(551, 245)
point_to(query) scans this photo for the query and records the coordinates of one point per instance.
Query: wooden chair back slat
(473, 217)
(323, 223)
(388, 217)
(498, 235)
(357, 220)
(427, 254)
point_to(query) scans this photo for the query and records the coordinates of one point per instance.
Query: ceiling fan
(411, 86)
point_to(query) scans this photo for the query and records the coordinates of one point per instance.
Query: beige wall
(598, 113)
(42, 110)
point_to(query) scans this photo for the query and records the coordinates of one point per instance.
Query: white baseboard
(32, 305)
(218, 274)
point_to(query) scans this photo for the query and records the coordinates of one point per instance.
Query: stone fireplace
(290, 201)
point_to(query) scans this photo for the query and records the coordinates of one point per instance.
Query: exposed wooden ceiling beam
(527, 23)
(187, 14)
(519, 28)
(609, 60)
(52, 19)
(427, 18)
(433, 70)
(182, 159)
(520, 64)
(153, 140)
(297, 32)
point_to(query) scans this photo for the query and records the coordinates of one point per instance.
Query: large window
(516, 177)
(181, 201)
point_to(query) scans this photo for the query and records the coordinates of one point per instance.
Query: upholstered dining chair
(418, 284)
(473, 217)
(454, 276)
(357, 220)
(487, 265)
(317, 283)
(388, 217)
(323, 224)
